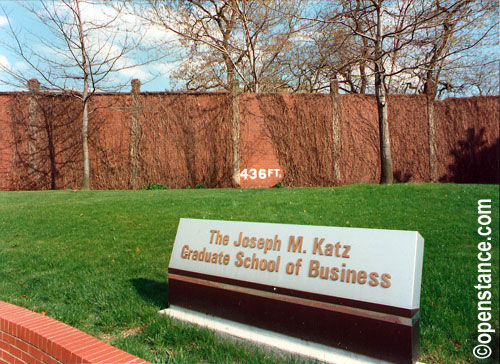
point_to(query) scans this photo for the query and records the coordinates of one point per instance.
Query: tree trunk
(230, 74)
(364, 82)
(34, 89)
(85, 145)
(85, 133)
(362, 67)
(430, 90)
(135, 134)
(232, 86)
(334, 94)
(85, 102)
(235, 133)
(52, 154)
(386, 176)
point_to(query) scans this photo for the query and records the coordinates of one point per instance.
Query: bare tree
(365, 19)
(231, 45)
(319, 55)
(205, 28)
(267, 35)
(227, 40)
(355, 32)
(386, 29)
(460, 27)
(405, 45)
(88, 47)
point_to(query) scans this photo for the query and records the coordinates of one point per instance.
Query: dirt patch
(132, 332)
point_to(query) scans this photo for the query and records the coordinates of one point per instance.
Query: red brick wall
(259, 162)
(27, 337)
(468, 139)
(185, 140)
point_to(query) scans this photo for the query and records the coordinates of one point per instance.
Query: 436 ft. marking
(262, 173)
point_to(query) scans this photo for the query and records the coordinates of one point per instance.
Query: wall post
(34, 90)
(135, 134)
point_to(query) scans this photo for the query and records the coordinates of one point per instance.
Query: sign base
(275, 340)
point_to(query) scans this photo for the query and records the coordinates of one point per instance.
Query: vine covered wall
(185, 139)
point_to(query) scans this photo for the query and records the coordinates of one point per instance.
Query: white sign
(262, 173)
(370, 265)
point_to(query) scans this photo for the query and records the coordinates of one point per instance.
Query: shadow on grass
(152, 291)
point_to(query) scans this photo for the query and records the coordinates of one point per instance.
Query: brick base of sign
(376, 331)
(27, 337)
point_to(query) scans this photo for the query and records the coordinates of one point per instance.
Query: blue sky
(154, 76)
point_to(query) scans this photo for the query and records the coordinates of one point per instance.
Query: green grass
(98, 260)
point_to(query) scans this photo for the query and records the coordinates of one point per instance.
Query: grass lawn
(98, 260)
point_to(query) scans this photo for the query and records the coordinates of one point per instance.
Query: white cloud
(3, 21)
(4, 62)
(157, 56)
